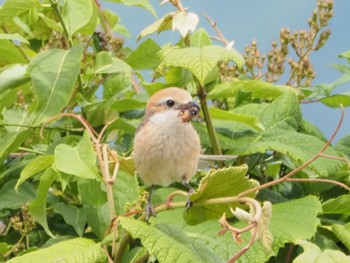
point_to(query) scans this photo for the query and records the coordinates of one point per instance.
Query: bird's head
(172, 99)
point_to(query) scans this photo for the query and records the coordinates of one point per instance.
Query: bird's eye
(170, 103)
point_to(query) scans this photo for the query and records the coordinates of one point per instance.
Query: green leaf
(79, 160)
(15, 119)
(200, 61)
(9, 54)
(73, 250)
(90, 192)
(76, 14)
(159, 26)
(337, 101)
(39, 164)
(97, 219)
(250, 121)
(127, 105)
(125, 191)
(281, 120)
(339, 205)
(342, 232)
(313, 253)
(144, 56)
(163, 246)
(225, 182)
(53, 74)
(200, 38)
(105, 63)
(343, 145)
(258, 89)
(11, 9)
(13, 76)
(11, 199)
(11, 141)
(15, 37)
(141, 3)
(38, 206)
(73, 216)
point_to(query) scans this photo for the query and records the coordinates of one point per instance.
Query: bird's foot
(149, 210)
(188, 201)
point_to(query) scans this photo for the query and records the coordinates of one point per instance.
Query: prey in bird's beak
(188, 111)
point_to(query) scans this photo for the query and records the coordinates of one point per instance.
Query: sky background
(245, 20)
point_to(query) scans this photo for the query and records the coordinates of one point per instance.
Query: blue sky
(245, 20)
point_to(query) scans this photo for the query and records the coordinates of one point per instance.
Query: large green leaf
(200, 61)
(39, 164)
(250, 121)
(73, 250)
(53, 74)
(258, 89)
(38, 206)
(200, 38)
(11, 199)
(217, 184)
(140, 3)
(337, 101)
(281, 119)
(106, 64)
(313, 253)
(79, 160)
(144, 56)
(12, 77)
(163, 245)
(339, 205)
(73, 216)
(76, 14)
(9, 54)
(286, 227)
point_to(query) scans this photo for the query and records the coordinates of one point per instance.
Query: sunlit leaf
(185, 22)
(342, 232)
(15, 37)
(141, 3)
(338, 100)
(144, 56)
(157, 27)
(339, 205)
(73, 250)
(53, 74)
(127, 105)
(13, 76)
(200, 61)
(79, 160)
(10, 142)
(105, 63)
(200, 38)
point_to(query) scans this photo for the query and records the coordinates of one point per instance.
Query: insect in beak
(188, 111)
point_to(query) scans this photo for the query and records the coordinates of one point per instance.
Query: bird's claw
(149, 210)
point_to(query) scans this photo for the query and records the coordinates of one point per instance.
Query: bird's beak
(191, 107)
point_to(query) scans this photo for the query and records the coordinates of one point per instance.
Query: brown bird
(166, 146)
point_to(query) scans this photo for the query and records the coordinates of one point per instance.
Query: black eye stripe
(170, 103)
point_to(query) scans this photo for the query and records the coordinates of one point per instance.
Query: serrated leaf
(339, 205)
(200, 38)
(39, 164)
(258, 89)
(38, 206)
(281, 120)
(163, 246)
(342, 232)
(159, 26)
(70, 251)
(11, 199)
(343, 145)
(141, 3)
(53, 74)
(225, 182)
(73, 216)
(76, 14)
(250, 121)
(185, 22)
(127, 105)
(337, 101)
(200, 61)
(106, 64)
(79, 160)
(13, 76)
(144, 56)
(313, 253)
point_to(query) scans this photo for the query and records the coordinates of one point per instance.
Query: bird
(166, 146)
